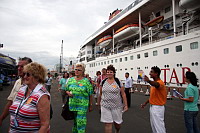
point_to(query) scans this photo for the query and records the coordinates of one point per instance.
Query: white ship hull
(173, 45)
(178, 63)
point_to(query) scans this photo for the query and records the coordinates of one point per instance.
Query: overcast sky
(35, 28)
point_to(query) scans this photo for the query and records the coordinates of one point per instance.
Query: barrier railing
(143, 87)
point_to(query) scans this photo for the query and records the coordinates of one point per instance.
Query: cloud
(42, 57)
(37, 27)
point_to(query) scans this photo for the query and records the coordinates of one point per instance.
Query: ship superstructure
(163, 33)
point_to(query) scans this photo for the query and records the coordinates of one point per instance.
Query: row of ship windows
(165, 66)
(193, 45)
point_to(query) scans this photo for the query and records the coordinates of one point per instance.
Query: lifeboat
(155, 21)
(103, 42)
(189, 4)
(126, 31)
(114, 13)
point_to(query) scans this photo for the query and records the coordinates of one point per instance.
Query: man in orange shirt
(157, 100)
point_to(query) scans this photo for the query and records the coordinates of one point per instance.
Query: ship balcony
(154, 40)
(90, 58)
(171, 35)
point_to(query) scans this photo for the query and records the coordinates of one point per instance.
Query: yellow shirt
(158, 96)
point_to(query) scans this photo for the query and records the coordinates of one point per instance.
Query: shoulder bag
(66, 113)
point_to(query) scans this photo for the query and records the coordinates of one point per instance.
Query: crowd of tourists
(29, 108)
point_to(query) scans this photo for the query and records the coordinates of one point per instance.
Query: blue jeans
(191, 121)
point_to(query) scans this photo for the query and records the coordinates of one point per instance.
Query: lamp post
(61, 57)
(60, 65)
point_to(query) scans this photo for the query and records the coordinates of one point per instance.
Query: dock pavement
(135, 120)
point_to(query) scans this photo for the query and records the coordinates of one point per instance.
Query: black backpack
(116, 80)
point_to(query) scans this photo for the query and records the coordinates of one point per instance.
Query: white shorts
(111, 115)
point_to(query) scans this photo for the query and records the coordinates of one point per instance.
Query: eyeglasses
(78, 70)
(27, 74)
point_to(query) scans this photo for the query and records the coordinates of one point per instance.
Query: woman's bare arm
(43, 108)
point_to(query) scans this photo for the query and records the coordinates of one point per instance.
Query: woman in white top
(111, 97)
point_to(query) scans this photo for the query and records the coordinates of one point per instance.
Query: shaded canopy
(7, 62)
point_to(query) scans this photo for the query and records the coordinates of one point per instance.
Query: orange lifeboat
(126, 31)
(114, 13)
(103, 42)
(155, 21)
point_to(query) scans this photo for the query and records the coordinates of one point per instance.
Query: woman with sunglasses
(190, 99)
(79, 89)
(30, 112)
(111, 96)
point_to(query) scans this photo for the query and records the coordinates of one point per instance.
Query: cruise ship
(163, 33)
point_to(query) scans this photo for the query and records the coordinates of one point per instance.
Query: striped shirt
(27, 117)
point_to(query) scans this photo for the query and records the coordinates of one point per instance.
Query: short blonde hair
(37, 70)
(82, 66)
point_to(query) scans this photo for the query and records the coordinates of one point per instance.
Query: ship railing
(144, 87)
(190, 30)
(91, 58)
(194, 29)
(103, 55)
(158, 40)
(169, 36)
(168, 84)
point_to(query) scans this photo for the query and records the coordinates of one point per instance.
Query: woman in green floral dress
(80, 91)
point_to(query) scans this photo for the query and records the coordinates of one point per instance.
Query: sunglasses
(110, 72)
(27, 74)
(78, 70)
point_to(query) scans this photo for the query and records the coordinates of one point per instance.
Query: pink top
(100, 79)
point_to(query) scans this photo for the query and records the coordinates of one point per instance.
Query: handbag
(66, 113)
